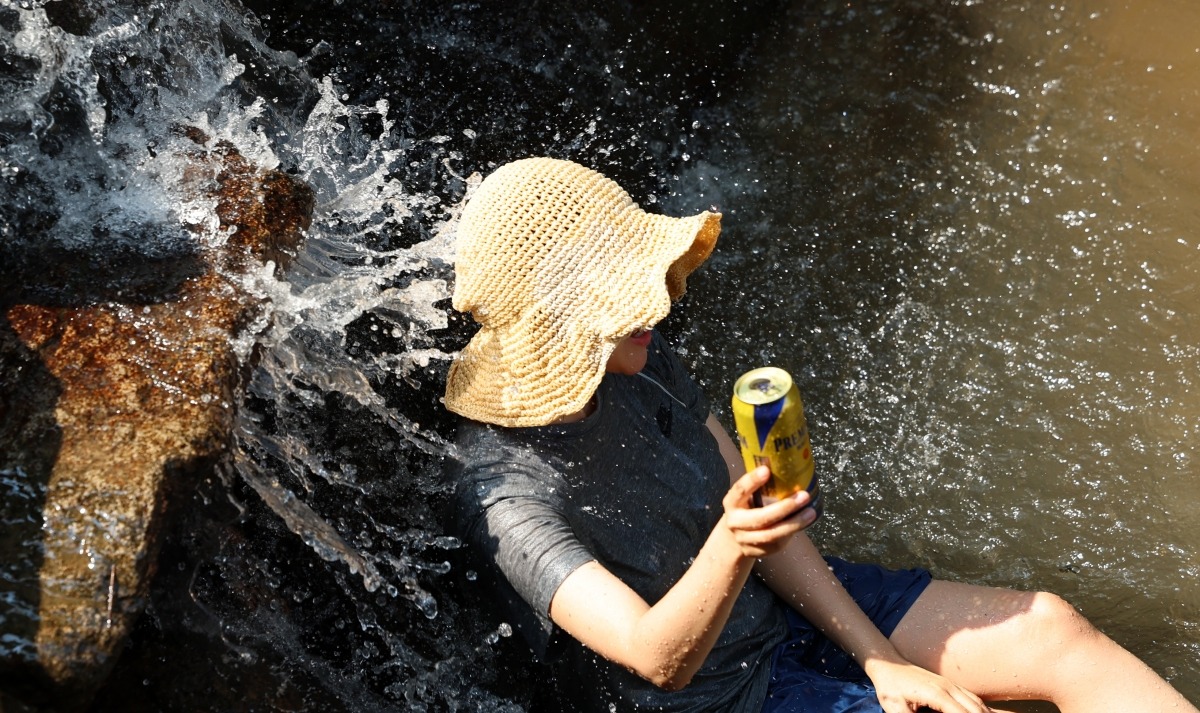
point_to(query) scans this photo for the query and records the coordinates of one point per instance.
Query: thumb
(743, 489)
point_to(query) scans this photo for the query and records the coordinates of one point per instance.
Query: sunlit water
(971, 230)
(966, 227)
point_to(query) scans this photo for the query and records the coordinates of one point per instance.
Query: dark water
(965, 226)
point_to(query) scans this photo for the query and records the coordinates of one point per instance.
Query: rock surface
(106, 411)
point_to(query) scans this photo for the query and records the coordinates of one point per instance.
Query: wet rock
(108, 410)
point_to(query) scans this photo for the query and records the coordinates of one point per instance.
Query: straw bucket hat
(557, 264)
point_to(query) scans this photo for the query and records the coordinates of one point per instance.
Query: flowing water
(965, 226)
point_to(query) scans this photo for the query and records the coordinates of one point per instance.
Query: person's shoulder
(472, 434)
(479, 444)
(490, 466)
(472, 440)
(502, 457)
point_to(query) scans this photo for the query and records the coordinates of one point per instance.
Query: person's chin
(636, 365)
(628, 363)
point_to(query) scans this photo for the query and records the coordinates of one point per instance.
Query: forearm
(801, 577)
(688, 620)
(665, 643)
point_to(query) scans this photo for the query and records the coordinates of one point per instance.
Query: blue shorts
(810, 674)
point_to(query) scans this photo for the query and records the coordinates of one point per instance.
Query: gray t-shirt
(636, 486)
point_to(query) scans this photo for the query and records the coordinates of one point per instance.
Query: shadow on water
(827, 161)
(132, 264)
(28, 394)
(610, 85)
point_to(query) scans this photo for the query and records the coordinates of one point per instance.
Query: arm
(799, 575)
(667, 642)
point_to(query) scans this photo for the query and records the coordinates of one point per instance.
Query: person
(614, 514)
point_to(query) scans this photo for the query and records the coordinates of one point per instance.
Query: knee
(1058, 624)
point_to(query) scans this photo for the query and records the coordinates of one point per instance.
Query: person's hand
(765, 530)
(907, 688)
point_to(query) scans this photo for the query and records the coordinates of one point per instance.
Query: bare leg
(1006, 645)
(1023, 707)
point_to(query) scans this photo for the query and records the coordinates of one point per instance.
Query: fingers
(743, 489)
(907, 688)
(969, 701)
(777, 514)
(762, 541)
(951, 700)
(764, 530)
(738, 501)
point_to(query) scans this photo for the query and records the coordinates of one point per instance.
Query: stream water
(984, 216)
(984, 213)
(966, 227)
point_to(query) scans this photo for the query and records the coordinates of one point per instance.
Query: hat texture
(558, 264)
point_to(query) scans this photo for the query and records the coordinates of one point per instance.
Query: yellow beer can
(771, 429)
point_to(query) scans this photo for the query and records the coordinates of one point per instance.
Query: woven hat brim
(526, 374)
(705, 228)
(540, 367)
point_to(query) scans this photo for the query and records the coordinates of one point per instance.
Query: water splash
(92, 162)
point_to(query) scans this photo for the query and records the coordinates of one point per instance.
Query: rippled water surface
(971, 230)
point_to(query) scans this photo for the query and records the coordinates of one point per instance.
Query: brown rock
(106, 411)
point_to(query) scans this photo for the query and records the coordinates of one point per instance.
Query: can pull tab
(766, 387)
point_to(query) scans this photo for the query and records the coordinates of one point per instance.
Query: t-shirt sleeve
(507, 512)
(532, 545)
